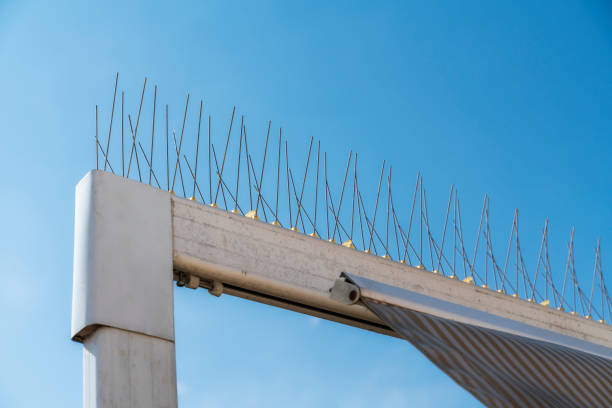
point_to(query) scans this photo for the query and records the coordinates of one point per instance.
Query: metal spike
(239, 160)
(288, 190)
(180, 171)
(221, 182)
(180, 145)
(280, 136)
(348, 163)
(246, 148)
(263, 166)
(148, 164)
(97, 165)
(152, 134)
(382, 170)
(167, 155)
(209, 164)
(224, 155)
(195, 173)
(444, 232)
(134, 150)
(122, 138)
(314, 234)
(194, 177)
(110, 127)
(135, 133)
(411, 214)
(304, 181)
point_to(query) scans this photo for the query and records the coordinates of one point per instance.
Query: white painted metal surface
(123, 308)
(122, 257)
(122, 369)
(269, 260)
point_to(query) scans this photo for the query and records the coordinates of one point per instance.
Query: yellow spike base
(275, 222)
(235, 211)
(588, 317)
(485, 286)
(192, 198)
(601, 321)
(469, 279)
(172, 192)
(314, 235)
(386, 256)
(348, 244)
(574, 313)
(531, 300)
(212, 204)
(252, 215)
(333, 241)
(561, 309)
(367, 251)
(545, 302)
(294, 229)
(437, 272)
(421, 266)
(453, 276)
(403, 261)
(501, 291)
(515, 295)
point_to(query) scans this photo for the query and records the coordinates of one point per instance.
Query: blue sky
(506, 98)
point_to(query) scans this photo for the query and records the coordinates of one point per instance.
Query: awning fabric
(502, 369)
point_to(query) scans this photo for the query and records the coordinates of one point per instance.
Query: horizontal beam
(278, 266)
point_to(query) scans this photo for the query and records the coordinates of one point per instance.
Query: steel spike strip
(368, 239)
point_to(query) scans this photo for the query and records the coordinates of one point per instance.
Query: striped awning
(502, 369)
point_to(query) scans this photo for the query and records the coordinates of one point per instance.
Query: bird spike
(301, 210)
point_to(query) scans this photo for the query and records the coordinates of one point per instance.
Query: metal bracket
(216, 289)
(345, 292)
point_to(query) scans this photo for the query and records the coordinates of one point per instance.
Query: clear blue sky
(512, 99)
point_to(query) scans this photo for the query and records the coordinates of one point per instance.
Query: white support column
(122, 306)
(125, 369)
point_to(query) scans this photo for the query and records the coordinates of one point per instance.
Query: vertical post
(125, 369)
(122, 306)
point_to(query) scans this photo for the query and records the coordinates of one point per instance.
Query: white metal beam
(273, 261)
